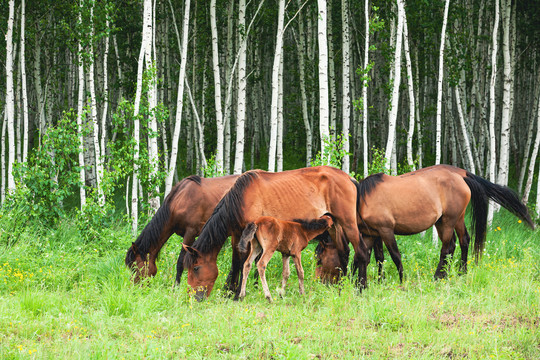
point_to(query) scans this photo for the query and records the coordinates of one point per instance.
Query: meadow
(62, 296)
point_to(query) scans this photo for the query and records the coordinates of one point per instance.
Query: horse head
(140, 265)
(331, 264)
(202, 271)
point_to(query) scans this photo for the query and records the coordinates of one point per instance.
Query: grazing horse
(304, 193)
(437, 195)
(335, 262)
(287, 237)
(184, 212)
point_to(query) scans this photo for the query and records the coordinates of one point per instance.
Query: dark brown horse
(268, 234)
(303, 193)
(437, 195)
(184, 212)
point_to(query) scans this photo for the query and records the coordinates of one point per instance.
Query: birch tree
(440, 85)
(80, 114)
(179, 103)
(217, 88)
(492, 104)
(24, 94)
(364, 91)
(323, 78)
(412, 102)
(394, 101)
(346, 102)
(10, 98)
(241, 105)
(534, 156)
(272, 147)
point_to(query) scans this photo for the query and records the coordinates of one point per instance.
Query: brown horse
(184, 212)
(437, 195)
(302, 193)
(334, 266)
(287, 237)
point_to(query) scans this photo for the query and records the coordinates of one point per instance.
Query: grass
(62, 297)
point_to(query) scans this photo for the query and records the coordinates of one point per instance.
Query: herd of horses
(264, 211)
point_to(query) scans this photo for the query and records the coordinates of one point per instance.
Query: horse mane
(325, 239)
(149, 236)
(227, 216)
(366, 186)
(312, 225)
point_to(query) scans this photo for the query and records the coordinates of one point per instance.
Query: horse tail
(246, 237)
(481, 191)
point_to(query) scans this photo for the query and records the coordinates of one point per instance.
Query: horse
(304, 193)
(335, 263)
(287, 237)
(437, 195)
(184, 212)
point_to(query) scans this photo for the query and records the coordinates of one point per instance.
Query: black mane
(366, 186)
(226, 217)
(312, 225)
(150, 234)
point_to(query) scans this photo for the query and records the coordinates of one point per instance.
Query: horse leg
(464, 239)
(189, 239)
(361, 258)
(238, 259)
(448, 239)
(254, 252)
(285, 274)
(300, 271)
(389, 239)
(261, 267)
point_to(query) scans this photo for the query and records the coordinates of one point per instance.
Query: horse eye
(196, 268)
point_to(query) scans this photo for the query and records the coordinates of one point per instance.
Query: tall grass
(62, 296)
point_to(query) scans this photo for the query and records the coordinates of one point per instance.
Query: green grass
(61, 297)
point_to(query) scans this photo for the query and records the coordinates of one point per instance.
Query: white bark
(508, 83)
(439, 86)
(331, 75)
(10, 98)
(532, 165)
(301, 69)
(147, 45)
(105, 94)
(279, 150)
(241, 104)
(94, 115)
(412, 98)
(346, 101)
(180, 101)
(80, 106)
(24, 88)
(364, 92)
(272, 148)
(323, 78)
(217, 88)
(492, 102)
(466, 143)
(394, 102)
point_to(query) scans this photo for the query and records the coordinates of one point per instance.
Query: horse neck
(311, 234)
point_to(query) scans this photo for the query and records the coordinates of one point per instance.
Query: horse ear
(190, 250)
(134, 247)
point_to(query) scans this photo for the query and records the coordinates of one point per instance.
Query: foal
(287, 237)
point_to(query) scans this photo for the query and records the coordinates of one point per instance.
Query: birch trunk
(241, 104)
(323, 79)
(272, 148)
(508, 83)
(105, 93)
(10, 98)
(147, 45)
(331, 74)
(492, 102)
(80, 113)
(346, 101)
(279, 150)
(465, 135)
(364, 92)
(412, 101)
(301, 69)
(180, 101)
(394, 102)
(439, 86)
(23, 83)
(532, 165)
(217, 88)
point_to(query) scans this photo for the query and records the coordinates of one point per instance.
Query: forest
(121, 99)
(106, 104)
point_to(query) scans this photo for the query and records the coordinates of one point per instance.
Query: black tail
(481, 191)
(246, 237)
